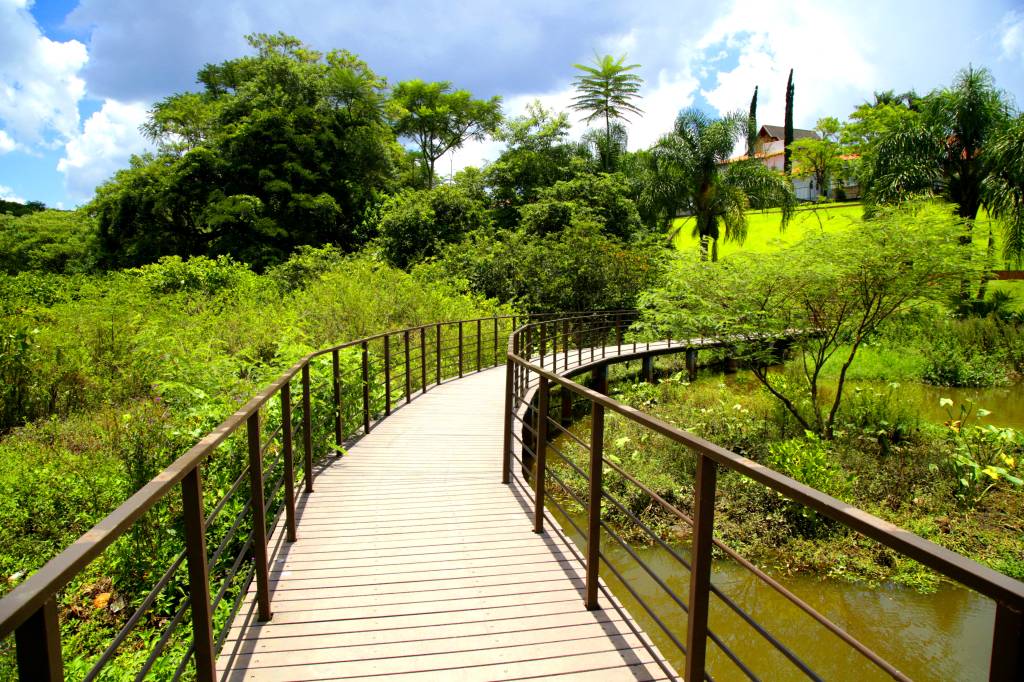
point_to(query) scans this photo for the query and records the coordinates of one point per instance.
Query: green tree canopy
(537, 155)
(951, 150)
(438, 119)
(285, 147)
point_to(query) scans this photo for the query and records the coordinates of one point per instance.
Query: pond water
(946, 635)
(1005, 403)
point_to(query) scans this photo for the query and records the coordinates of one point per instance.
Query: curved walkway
(414, 561)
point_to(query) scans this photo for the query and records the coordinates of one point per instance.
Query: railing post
(198, 574)
(259, 521)
(478, 347)
(387, 375)
(460, 349)
(497, 357)
(691, 364)
(599, 377)
(366, 387)
(506, 454)
(594, 503)
(289, 459)
(307, 428)
(647, 368)
(423, 359)
(437, 353)
(618, 332)
(338, 426)
(565, 344)
(700, 567)
(408, 367)
(1007, 645)
(543, 342)
(38, 644)
(543, 399)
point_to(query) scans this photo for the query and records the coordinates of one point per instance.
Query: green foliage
(807, 460)
(983, 456)
(16, 208)
(579, 268)
(820, 158)
(537, 155)
(601, 198)
(835, 288)
(413, 225)
(683, 173)
(284, 148)
(47, 241)
(607, 90)
(438, 119)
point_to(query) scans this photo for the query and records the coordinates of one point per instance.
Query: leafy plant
(983, 456)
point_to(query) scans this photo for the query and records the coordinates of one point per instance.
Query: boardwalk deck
(414, 561)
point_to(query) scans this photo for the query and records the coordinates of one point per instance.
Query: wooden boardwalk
(414, 561)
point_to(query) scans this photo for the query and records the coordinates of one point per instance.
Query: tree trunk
(704, 247)
(990, 250)
(714, 250)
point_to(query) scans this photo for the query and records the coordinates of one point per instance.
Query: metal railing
(342, 392)
(543, 355)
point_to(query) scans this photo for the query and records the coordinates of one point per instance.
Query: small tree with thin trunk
(752, 126)
(831, 292)
(439, 119)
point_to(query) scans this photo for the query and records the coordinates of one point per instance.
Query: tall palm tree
(946, 152)
(687, 171)
(607, 90)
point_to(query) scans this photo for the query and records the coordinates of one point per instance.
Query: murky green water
(1005, 403)
(946, 635)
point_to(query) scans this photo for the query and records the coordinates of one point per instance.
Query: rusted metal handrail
(30, 610)
(533, 373)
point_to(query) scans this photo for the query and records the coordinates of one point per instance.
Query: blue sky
(77, 77)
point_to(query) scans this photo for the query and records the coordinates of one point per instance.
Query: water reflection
(946, 635)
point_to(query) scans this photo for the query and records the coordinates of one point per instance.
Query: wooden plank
(413, 561)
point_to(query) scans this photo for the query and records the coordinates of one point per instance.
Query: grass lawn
(763, 235)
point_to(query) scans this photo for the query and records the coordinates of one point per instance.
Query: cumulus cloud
(820, 41)
(6, 143)
(7, 194)
(40, 85)
(108, 139)
(1011, 38)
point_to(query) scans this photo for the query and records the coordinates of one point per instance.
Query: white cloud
(7, 194)
(819, 41)
(39, 83)
(108, 139)
(1012, 39)
(6, 143)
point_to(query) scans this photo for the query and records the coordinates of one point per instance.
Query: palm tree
(685, 172)
(606, 90)
(945, 151)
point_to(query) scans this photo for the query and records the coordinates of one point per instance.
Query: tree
(281, 148)
(439, 119)
(607, 90)
(684, 174)
(835, 289)
(752, 126)
(787, 164)
(537, 155)
(944, 152)
(414, 225)
(1003, 187)
(601, 199)
(820, 158)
